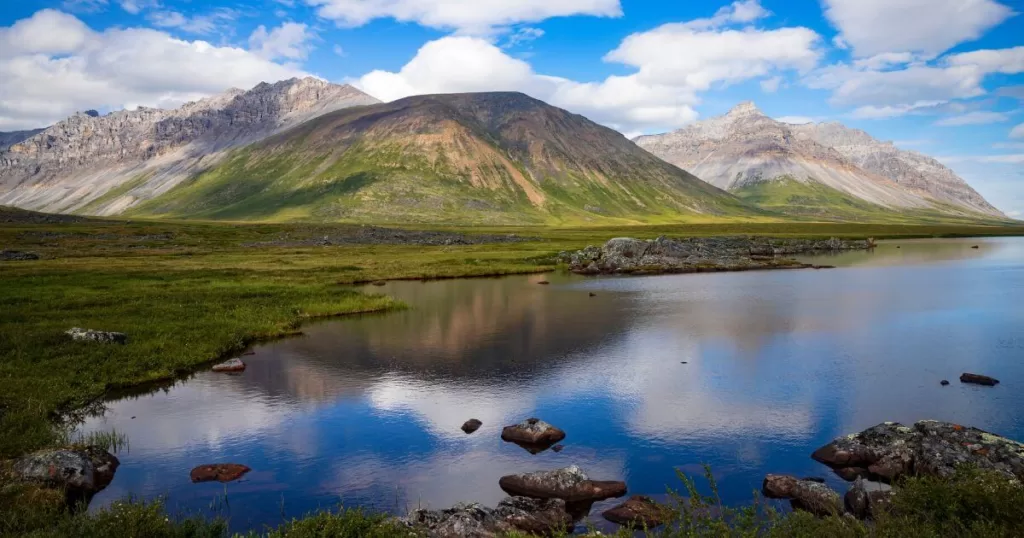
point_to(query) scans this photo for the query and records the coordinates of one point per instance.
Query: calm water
(366, 411)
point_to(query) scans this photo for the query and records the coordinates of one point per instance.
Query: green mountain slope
(495, 158)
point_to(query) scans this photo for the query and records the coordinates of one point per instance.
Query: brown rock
(232, 365)
(639, 512)
(532, 431)
(867, 499)
(220, 472)
(850, 473)
(570, 484)
(806, 495)
(471, 425)
(543, 283)
(978, 379)
(944, 382)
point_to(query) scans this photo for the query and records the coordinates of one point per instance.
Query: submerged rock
(890, 450)
(17, 256)
(103, 337)
(532, 431)
(231, 365)
(570, 484)
(807, 495)
(220, 472)
(542, 517)
(83, 471)
(944, 382)
(471, 425)
(978, 379)
(867, 499)
(688, 255)
(640, 512)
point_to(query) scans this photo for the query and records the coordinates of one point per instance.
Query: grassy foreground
(189, 293)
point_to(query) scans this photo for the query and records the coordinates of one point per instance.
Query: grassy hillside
(816, 201)
(494, 158)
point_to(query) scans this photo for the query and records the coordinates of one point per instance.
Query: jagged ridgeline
(500, 158)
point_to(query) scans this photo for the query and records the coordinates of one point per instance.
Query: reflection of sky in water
(367, 411)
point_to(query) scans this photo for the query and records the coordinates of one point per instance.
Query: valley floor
(189, 293)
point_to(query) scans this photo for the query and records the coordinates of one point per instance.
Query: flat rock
(471, 425)
(890, 450)
(570, 484)
(807, 495)
(84, 470)
(867, 499)
(231, 365)
(103, 337)
(978, 379)
(17, 256)
(532, 431)
(539, 517)
(639, 512)
(219, 472)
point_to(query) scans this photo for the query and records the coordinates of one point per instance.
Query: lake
(746, 372)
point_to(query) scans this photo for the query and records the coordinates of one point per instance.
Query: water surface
(748, 372)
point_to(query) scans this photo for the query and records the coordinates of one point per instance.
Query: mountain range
(305, 149)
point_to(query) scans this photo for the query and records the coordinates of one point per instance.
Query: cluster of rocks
(103, 337)
(17, 256)
(700, 254)
(376, 235)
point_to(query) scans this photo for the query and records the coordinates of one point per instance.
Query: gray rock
(890, 450)
(86, 470)
(103, 337)
(542, 517)
(867, 499)
(570, 484)
(17, 256)
(806, 495)
(230, 365)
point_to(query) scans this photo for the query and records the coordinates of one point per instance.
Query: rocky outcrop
(81, 471)
(103, 337)
(219, 472)
(17, 256)
(703, 254)
(891, 450)
(535, 517)
(146, 151)
(978, 379)
(570, 484)
(639, 512)
(471, 425)
(230, 365)
(867, 499)
(807, 495)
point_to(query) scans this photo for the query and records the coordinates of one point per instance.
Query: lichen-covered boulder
(230, 365)
(532, 431)
(884, 451)
(867, 499)
(102, 337)
(538, 517)
(81, 470)
(639, 512)
(806, 495)
(570, 484)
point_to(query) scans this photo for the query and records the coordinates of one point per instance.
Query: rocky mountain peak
(744, 109)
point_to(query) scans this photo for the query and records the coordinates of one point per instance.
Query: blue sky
(944, 77)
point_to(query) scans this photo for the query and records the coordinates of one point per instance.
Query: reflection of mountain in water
(907, 252)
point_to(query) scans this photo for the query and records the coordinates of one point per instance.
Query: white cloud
(338, 50)
(1010, 158)
(885, 60)
(522, 35)
(137, 6)
(53, 65)
(1016, 92)
(198, 24)
(464, 16)
(740, 12)
(1017, 132)
(289, 41)
(85, 6)
(929, 26)
(1005, 61)
(973, 118)
(1009, 145)
(872, 112)
(771, 85)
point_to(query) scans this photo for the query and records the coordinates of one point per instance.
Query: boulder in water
(220, 472)
(471, 425)
(231, 365)
(532, 431)
(807, 495)
(570, 484)
(978, 379)
(639, 512)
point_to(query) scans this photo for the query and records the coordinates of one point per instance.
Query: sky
(943, 77)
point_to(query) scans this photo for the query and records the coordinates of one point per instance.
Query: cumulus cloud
(1016, 92)
(197, 24)
(672, 63)
(1017, 132)
(289, 41)
(973, 118)
(464, 16)
(52, 65)
(873, 27)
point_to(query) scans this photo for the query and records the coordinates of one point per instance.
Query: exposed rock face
(890, 450)
(220, 472)
(82, 471)
(471, 425)
(746, 147)
(639, 512)
(978, 379)
(103, 337)
(147, 151)
(867, 499)
(541, 517)
(807, 495)
(8, 139)
(17, 256)
(532, 431)
(230, 365)
(570, 484)
(684, 255)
